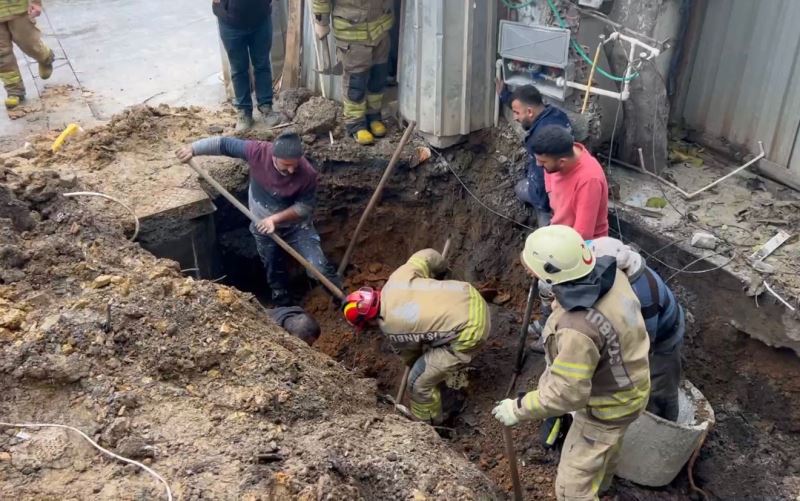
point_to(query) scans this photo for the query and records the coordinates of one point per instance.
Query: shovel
(327, 69)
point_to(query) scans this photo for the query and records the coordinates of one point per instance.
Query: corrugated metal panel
(743, 82)
(447, 54)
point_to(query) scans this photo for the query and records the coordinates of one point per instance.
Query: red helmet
(361, 306)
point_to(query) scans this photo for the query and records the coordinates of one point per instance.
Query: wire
(771, 291)
(109, 197)
(582, 53)
(698, 272)
(473, 195)
(94, 444)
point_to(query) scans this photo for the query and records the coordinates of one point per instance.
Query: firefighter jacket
(597, 359)
(417, 310)
(360, 21)
(13, 8)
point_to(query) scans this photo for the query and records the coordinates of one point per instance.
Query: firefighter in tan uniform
(435, 325)
(596, 347)
(17, 27)
(361, 29)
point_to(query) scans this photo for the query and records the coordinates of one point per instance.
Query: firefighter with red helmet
(435, 325)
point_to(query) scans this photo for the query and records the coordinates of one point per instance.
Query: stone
(704, 240)
(317, 116)
(11, 318)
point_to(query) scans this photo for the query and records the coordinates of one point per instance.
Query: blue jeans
(305, 240)
(244, 46)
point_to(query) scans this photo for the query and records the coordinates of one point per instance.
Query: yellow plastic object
(377, 128)
(364, 137)
(12, 102)
(71, 129)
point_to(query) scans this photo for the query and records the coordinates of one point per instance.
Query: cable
(582, 53)
(698, 272)
(447, 164)
(104, 451)
(108, 197)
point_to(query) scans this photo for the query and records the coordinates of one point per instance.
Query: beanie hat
(287, 145)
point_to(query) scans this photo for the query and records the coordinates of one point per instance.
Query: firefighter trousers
(366, 68)
(22, 31)
(588, 458)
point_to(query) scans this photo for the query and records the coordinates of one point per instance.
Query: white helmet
(557, 254)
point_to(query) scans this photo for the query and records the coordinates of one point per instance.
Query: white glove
(506, 412)
(321, 30)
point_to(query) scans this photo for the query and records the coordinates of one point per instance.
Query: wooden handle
(278, 240)
(376, 196)
(511, 456)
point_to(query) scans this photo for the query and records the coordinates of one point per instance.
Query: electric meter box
(536, 55)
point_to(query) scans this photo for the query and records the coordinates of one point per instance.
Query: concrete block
(654, 450)
(704, 240)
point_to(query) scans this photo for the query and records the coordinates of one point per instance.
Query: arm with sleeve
(218, 145)
(426, 263)
(566, 384)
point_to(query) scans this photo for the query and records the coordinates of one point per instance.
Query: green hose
(582, 53)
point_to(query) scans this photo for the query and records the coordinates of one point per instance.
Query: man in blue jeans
(245, 27)
(282, 195)
(531, 112)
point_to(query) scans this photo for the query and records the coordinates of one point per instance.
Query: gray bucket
(654, 450)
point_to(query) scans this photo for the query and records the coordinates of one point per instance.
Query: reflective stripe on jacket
(363, 21)
(418, 310)
(597, 360)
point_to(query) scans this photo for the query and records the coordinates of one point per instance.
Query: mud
(191, 378)
(187, 376)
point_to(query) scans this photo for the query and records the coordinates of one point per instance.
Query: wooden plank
(291, 65)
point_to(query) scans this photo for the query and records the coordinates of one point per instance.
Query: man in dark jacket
(283, 194)
(245, 27)
(531, 112)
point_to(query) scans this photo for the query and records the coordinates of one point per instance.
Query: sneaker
(270, 117)
(13, 101)
(244, 120)
(46, 67)
(364, 137)
(377, 128)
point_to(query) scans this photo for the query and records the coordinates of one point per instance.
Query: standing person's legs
(273, 259)
(588, 458)
(236, 44)
(356, 62)
(9, 70)
(430, 370)
(538, 194)
(260, 46)
(377, 83)
(665, 376)
(28, 38)
(305, 239)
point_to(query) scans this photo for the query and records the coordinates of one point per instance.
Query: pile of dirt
(187, 376)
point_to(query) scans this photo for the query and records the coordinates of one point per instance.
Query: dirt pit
(752, 451)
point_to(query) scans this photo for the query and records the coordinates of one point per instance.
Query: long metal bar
(511, 456)
(376, 196)
(523, 335)
(278, 240)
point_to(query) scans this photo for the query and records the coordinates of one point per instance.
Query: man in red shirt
(578, 191)
(574, 180)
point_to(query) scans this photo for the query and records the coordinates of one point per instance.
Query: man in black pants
(245, 27)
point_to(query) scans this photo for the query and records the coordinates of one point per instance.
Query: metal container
(447, 67)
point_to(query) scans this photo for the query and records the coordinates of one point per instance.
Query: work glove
(554, 430)
(321, 30)
(509, 411)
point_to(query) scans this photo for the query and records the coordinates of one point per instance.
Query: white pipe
(498, 75)
(595, 90)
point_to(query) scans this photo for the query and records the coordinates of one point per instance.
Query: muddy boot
(13, 101)
(377, 128)
(271, 118)
(364, 137)
(46, 67)
(244, 120)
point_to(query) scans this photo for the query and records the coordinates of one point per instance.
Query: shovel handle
(511, 456)
(278, 240)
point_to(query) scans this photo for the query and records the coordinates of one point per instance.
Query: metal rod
(446, 249)
(376, 195)
(511, 456)
(403, 383)
(278, 240)
(520, 355)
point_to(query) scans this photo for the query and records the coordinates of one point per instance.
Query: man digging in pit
(283, 187)
(435, 325)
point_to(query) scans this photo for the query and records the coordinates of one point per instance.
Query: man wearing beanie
(282, 194)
